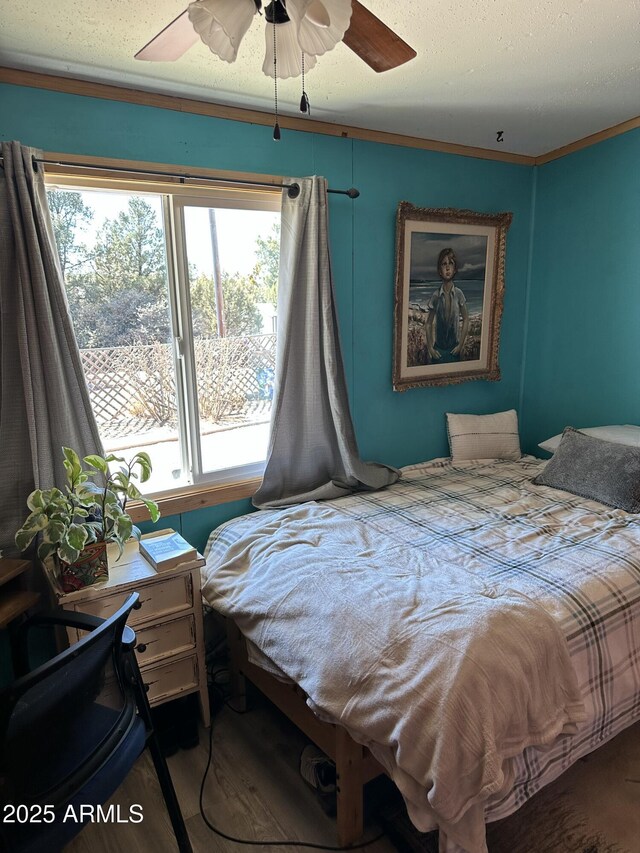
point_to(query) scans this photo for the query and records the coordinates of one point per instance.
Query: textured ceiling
(545, 73)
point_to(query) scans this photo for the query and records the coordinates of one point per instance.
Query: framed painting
(449, 295)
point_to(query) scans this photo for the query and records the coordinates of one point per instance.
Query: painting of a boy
(448, 318)
(449, 295)
(446, 293)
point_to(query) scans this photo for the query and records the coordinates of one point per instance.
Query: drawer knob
(142, 648)
(137, 605)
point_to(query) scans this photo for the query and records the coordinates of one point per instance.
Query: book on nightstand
(166, 549)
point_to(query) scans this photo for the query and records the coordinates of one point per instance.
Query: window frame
(225, 485)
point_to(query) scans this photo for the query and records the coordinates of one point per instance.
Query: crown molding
(87, 88)
(91, 89)
(592, 139)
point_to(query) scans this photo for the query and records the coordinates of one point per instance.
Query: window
(172, 292)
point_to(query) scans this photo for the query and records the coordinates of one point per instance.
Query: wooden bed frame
(354, 763)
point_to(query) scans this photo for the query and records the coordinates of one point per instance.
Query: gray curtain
(312, 453)
(44, 403)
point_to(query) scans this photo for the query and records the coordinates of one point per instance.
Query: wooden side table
(14, 601)
(167, 621)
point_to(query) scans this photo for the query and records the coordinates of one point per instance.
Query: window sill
(197, 498)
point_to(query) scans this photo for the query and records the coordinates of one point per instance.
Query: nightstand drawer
(171, 679)
(167, 622)
(157, 599)
(156, 642)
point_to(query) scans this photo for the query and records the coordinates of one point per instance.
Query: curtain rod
(293, 189)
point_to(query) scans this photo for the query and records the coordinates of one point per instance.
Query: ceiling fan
(312, 27)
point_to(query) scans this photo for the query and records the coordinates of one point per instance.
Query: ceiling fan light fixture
(317, 14)
(222, 24)
(321, 24)
(288, 52)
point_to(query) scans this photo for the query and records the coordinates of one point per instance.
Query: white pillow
(484, 436)
(627, 434)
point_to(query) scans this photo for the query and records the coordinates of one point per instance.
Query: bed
(466, 631)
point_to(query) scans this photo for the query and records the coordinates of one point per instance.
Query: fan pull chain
(305, 106)
(276, 127)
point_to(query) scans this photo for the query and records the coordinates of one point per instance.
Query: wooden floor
(253, 791)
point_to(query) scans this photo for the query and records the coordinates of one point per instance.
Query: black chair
(70, 731)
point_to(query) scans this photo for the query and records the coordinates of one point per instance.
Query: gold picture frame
(449, 294)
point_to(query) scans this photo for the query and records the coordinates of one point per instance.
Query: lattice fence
(132, 389)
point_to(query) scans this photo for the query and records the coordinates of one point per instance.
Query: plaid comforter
(577, 559)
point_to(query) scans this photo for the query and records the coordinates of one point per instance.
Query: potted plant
(76, 524)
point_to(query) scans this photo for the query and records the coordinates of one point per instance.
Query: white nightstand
(167, 621)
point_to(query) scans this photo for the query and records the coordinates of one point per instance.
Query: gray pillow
(595, 469)
(618, 434)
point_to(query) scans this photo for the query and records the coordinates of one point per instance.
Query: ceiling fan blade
(171, 42)
(374, 42)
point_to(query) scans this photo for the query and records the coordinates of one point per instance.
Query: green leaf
(144, 462)
(124, 526)
(88, 493)
(112, 458)
(133, 492)
(35, 521)
(97, 462)
(56, 531)
(94, 532)
(35, 501)
(72, 458)
(62, 516)
(67, 552)
(53, 498)
(111, 500)
(91, 488)
(24, 538)
(152, 506)
(77, 536)
(39, 520)
(120, 480)
(135, 532)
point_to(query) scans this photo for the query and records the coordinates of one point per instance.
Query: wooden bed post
(354, 764)
(349, 785)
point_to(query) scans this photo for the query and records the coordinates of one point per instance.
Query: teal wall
(583, 331)
(408, 427)
(391, 427)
